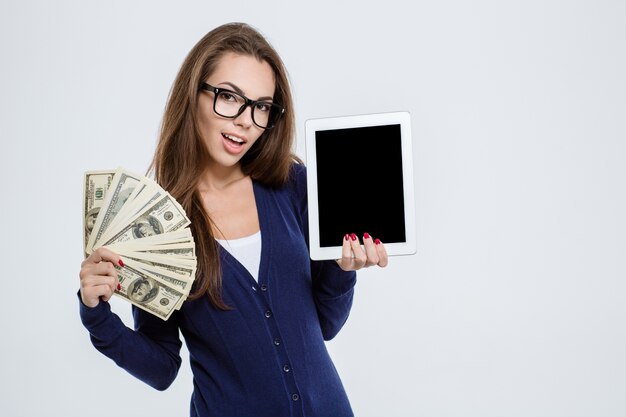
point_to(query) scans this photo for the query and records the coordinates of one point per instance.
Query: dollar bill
(145, 193)
(163, 257)
(165, 215)
(184, 250)
(135, 218)
(176, 251)
(123, 184)
(185, 271)
(147, 293)
(181, 236)
(96, 185)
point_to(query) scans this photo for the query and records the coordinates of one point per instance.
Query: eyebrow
(240, 91)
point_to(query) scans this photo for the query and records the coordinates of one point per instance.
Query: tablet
(360, 180)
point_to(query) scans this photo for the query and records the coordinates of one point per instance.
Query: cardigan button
(263, 287)
(286, 368)
(268, 314)
(277, 341)
(295, 397)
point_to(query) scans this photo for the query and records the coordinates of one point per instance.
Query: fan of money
(134, 217)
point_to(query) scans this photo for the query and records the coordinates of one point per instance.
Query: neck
(218, 178)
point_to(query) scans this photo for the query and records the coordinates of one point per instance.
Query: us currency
(178, 273)
(147, 292)
(123, 184)
(180, 264)
(171, 251)
(171, 267)
(149, 229)
(180, 236)
(186, 272)
(182, 250)
(145, 193)
(176, 281)
(165, 215)
(179, 281)
(96, 184)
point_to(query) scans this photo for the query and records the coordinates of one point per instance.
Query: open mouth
(233, 139)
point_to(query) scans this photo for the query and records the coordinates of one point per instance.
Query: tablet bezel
(402, 118)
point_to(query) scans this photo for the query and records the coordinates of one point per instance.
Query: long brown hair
(181, 154)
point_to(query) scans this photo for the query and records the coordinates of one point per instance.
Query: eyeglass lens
(229, 104)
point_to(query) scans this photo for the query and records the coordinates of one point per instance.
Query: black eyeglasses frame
(275, 114)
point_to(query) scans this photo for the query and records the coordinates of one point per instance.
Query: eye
(227, 96)
(263, 107)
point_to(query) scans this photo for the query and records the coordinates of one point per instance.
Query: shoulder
(293, 186)
(297, 179)
(296, 188)
(297, 172)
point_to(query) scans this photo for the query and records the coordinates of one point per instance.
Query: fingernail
(346, 237)
(377, 241)
(366, 235)
(353, 236)
(121, 263)
(119, 286)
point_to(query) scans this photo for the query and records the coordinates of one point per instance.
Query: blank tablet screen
(360, 183)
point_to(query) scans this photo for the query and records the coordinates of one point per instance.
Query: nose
(245, 118)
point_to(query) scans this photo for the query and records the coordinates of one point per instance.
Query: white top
(247, 250)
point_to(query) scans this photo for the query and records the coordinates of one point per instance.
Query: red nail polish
(366, 235)
(121, 263)
(353, 236)
(119, 286)
(377, 241)
(346, 237)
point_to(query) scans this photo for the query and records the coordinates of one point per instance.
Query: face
(140, 291)
(91, 221)
(227, 140)
(145, 229)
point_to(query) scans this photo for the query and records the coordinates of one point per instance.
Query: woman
(257, 318)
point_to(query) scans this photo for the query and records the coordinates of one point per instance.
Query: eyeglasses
(227, 103)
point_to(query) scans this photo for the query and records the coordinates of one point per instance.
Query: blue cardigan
(267, 356)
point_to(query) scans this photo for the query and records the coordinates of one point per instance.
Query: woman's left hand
(353, 257)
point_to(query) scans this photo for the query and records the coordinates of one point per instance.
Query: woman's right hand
(98, 277)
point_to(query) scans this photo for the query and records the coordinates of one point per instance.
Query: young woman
(260, 310)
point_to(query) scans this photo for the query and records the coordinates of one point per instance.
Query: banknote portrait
(90, 220)
(146, 226)
(143, 290)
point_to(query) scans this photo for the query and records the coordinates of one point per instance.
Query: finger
(88, 285)
(102, 291)
(345, 262)
(98, 274)
(99, 269)
(108, 294)
(95, 280)
(103, 254)
(359, 259)
(383, 258)
(370, 250)
(95, 287)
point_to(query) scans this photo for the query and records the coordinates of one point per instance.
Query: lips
(233, 144)
(234, 138)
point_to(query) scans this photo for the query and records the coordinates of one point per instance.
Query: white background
(515, 303)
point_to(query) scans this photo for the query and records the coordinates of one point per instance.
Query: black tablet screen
(359, 183)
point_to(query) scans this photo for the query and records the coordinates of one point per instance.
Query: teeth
(234, 138)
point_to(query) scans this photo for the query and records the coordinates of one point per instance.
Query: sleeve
(150, 353)
(333, 288)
